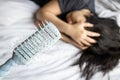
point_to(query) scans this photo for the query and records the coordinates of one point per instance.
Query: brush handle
(5, 68)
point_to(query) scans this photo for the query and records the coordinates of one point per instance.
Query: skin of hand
(68, 39)
(51, 10)
(78, 16)
(79, 33)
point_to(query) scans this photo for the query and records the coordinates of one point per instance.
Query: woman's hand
(82, 36)
(71, 41)
(78, 16)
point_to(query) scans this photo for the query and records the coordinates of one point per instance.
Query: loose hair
(103, 55)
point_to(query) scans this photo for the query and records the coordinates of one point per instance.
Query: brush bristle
(46, 36)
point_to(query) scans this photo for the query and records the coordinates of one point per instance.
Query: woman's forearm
(61, 25)
(50, 12)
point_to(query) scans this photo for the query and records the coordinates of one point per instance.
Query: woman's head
(103, 55)
(109, 41)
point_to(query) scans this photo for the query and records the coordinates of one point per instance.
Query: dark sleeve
(71, 5)
(40, 2)
(66, 5)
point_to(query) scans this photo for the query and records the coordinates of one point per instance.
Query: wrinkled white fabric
(108, 9)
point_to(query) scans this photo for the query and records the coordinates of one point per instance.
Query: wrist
(68, 29)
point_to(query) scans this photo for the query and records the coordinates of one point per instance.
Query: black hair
(105, 54)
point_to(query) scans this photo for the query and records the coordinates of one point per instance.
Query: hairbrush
(47, 35)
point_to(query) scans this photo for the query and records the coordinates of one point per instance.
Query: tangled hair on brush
(105, 54)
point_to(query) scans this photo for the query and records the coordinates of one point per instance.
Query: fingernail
(98, 34)
(91, 25)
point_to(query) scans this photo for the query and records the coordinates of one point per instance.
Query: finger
(37, 23)
(81, 44)
(92, 34)
(89, 14)
(69, 20)
(80, 19)
(87, 24)
(86, 43)
(90, 40)
(83, 48)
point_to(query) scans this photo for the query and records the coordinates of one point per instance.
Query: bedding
(108, 9)
(16, 24)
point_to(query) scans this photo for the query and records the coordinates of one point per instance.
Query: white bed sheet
(109, 9)
(16, 24)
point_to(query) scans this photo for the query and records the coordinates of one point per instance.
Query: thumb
(69, 20)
